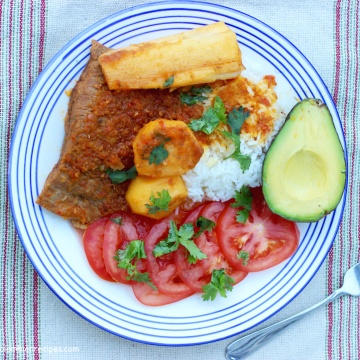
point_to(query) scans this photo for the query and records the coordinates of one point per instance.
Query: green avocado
(304, 171)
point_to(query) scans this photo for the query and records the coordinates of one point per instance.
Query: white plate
(55, 248)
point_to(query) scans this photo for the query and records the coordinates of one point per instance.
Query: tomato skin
(266, 237)
(93, 239)
(199, 274)
(117, 236)
(162, 270)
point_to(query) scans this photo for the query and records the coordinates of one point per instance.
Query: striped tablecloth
(36, 324)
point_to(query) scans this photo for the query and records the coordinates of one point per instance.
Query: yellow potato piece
(197, 56)
(165, 148)
(142, 188)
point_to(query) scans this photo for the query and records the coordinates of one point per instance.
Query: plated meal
(273, 68)
(184, 173)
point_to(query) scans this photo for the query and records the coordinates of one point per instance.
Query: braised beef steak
(99, 129)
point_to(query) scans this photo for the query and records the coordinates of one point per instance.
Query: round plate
(55, 248)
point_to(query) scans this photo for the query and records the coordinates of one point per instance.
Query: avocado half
(304, 170)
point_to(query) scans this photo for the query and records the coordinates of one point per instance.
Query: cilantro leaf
(117, 220)
(220, 109)
(237, 118)
(219, 284)
(243, 199)
(244, 256)
(176, 237)
(243, 160)
(168, 245)
(127, 259)
(242, 216)
(168, 82)
(195, 95)
(203, 224)
(211, 118)
(160, 203)
(119, 176)
(158, 154)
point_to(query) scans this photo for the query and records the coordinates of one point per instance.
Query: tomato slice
(117, 236)
(162, 270)
(93, 239)
(147, 296)
(199, 274)
(266, 238)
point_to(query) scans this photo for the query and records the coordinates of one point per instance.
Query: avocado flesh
(304, 170)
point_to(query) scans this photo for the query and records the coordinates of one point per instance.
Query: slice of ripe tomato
(117, 236)
(162, 269)
(93, 239)
(267, 238)
(199, 274)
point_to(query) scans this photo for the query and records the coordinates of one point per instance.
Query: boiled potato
(165, 148)
(142, 189)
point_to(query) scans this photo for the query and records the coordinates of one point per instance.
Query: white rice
(217, 178)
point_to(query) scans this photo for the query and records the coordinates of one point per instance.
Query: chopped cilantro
(160, 203)
(127, 259)
(169, 81)
(182, 236)
(203, 224)
(220, 283)
(119, 176)
(117, 220)
(158, 154)
(243, 200)
(237, 118)
(244, 256)
(243, 160)
(211, 118)
(195, 95)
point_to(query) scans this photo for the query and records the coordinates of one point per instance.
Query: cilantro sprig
(176, 237)
(244, 256)
(119, 176)
(127, 259)
(159, 203)
(195, 95)
(169, 81)
(236, 119)
(211, 118)
(158, 154)
(243, 200)
(203, 224)
(220, 283)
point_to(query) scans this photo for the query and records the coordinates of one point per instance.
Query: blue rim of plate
(30, 220)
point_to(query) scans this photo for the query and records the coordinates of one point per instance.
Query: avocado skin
(304, 171)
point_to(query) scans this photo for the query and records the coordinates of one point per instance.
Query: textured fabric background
(31, 316)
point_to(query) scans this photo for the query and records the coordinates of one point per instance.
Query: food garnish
(127, 259)
(244, 256)
(304, 170)
(211, 118)
(203, 224)
(168, 82)
(220, 283)
(158, 154)
(176, 237)
(119, 176)
(243, 200)
(118, 220)
(195, 95)
(159, 203)
(148, 65)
